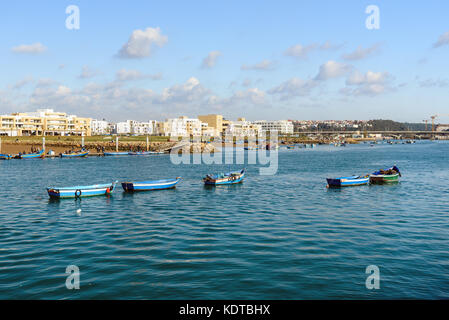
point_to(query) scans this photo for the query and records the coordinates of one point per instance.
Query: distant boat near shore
(111, 154)
(75, 154)
(36, 155)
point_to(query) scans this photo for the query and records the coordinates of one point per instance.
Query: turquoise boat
(111, 154)
(36, 155)
(5, 156)
(81, 191)
(139, 153)
(225, 178)
(348, 181)
(150, 185)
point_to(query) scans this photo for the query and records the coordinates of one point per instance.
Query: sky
(302, 60)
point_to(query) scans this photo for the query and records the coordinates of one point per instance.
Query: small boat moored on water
(385, 176)
(139, 153)
(225, 178)
(5, 157)
(81, 154)
(125, 153)
(82, 191)
(348, 181)
(150, 185)
(36, 155)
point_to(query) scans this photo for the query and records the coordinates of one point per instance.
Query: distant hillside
(389, 125)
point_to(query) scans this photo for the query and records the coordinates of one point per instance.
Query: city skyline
(158, 61)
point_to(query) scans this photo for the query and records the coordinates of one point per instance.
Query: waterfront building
(242, 128)
(214, 121)
(44, 122)
(100, 127)
(180, 127)
(281, 126)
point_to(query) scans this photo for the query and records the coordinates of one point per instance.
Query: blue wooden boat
(139, 153)
(81, 191)
(348, 181)
(150, 185)
(291, 147)
(36, 155)
(75, 154)
(225, 178)
(5, 156)
(125, 153)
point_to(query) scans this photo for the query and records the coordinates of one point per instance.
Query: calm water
(276, 237)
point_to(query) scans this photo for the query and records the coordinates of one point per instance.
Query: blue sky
(267, 59)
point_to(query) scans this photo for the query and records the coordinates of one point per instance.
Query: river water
(282, 236)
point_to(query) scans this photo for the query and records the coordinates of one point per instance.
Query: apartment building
(281, 126)
(44, 122)
(100, 127)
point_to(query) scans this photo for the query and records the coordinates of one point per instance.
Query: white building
(243, 128)
(136, 127)
(281, 126)
(143, 128)
(181, 127)
(100, 127)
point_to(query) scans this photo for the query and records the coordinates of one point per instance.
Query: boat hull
(75, 155)
(347, 182)
(150, 185)
(233, 179)
(38, 155)
(81, 191)
(384, 178)
(111, 154)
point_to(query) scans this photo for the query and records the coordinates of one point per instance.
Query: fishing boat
(139, 153)
(36, 155)
(81, 191)
(75, 154)
(348, 181)
(111, 154)
(225, 178)
(385, 176)
(5, 157)
(150, 185)
(291, 147)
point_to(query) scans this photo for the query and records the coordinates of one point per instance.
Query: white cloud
(301, 51)
(87, 73)
(434, 83)
(22, 83)
(361, 53)
(140, 43)
(263, 65)
(371, 83)
(370, 77)
(332, 69)
(442, 40)
(130, 75)
(293, 87)
(210, 60)
(35, 48)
